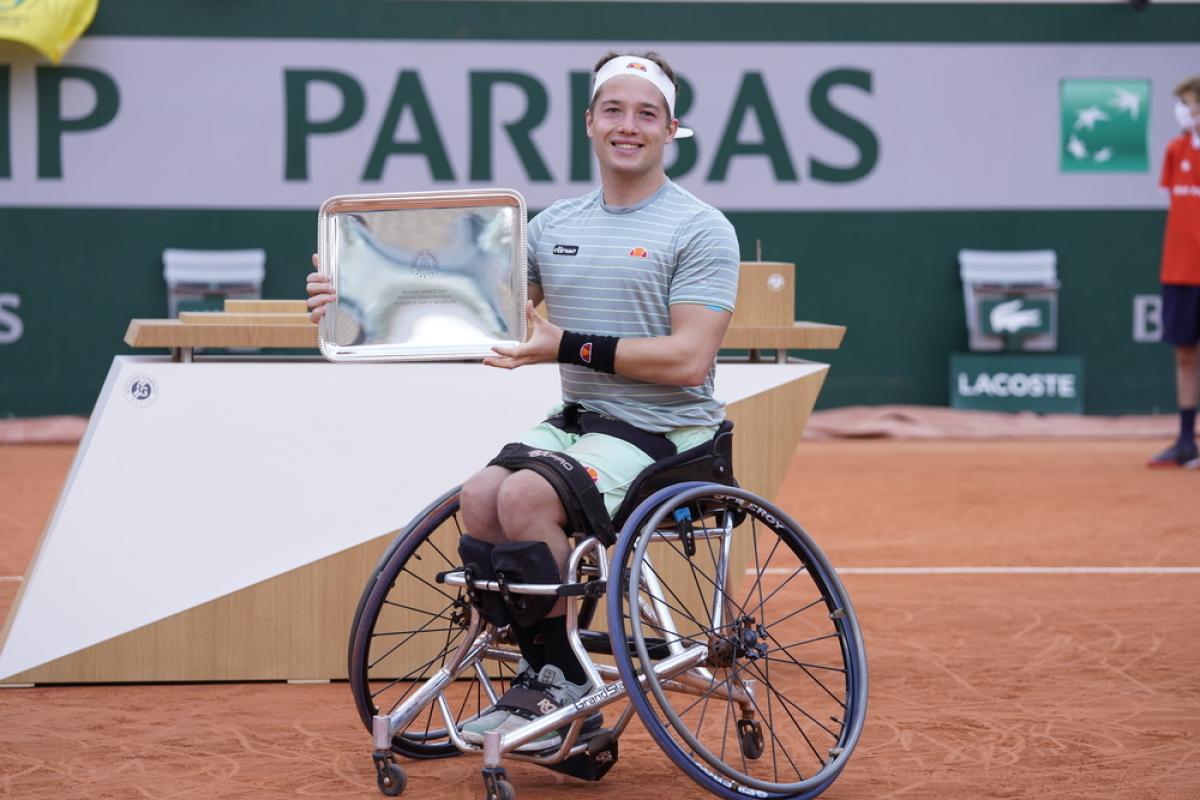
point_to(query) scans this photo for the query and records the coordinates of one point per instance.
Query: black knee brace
(526, 562)
(476, 556)
(575, 489)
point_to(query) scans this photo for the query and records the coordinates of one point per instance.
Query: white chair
(197, 275)
(999, 275)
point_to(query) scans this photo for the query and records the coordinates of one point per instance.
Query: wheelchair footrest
(596, 762)
(598, 642)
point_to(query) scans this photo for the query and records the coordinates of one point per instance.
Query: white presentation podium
(221, 517)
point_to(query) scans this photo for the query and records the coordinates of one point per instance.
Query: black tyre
(503, 791)
(396, 780)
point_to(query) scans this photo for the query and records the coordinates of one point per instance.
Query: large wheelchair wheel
(408, 626)
(773, 696)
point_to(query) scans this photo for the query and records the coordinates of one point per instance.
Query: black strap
(574, 418)
(575, 488)
(527, 703)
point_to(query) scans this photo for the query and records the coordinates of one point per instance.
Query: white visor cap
(647, 70)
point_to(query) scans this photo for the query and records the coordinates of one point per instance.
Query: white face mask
(1183, 116)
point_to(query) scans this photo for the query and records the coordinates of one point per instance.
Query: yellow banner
(48, 26)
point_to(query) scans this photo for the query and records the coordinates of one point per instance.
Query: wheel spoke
(762, 604)
(803, 642)
(453, 564)
(801, 570)
(423, 629)
(430, 585)
(769, 719)
(393, 604)
(787, 702)
(801, 664)
(381, 634)
(770, 555)
(410, 679)
(799, 610)
(685, 614)
(805, 668)
(720, 590)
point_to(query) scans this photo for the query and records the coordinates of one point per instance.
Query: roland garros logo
(425, 264)
(141, 391)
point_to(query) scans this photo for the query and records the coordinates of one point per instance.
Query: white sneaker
(492, 718)
(545, 694)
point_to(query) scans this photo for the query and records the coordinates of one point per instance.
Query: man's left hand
(540, 348)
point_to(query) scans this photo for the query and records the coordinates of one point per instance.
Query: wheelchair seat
(710, 461)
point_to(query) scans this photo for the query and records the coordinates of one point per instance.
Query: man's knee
(527, 502)
(1187, 356)
(478, 501)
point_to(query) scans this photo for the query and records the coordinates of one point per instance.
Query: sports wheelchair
(712, 613)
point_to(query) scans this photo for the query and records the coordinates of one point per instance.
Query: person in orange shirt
(1181, 272)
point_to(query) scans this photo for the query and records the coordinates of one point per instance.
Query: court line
(996, 571)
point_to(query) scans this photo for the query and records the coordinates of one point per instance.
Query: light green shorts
(613, 463)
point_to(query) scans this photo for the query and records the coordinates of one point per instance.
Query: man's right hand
(320, 292)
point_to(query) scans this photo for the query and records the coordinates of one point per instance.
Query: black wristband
(589, 350)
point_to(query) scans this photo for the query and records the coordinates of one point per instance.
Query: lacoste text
(1017, 384)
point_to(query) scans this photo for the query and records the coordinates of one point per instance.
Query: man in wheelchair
(639, 278)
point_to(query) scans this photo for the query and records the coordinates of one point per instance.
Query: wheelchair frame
(683, 666)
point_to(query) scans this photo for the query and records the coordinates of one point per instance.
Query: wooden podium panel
(766, 294)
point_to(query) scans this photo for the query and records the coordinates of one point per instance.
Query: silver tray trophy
(423, 276)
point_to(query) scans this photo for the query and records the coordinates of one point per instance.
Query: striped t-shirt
(616, 271)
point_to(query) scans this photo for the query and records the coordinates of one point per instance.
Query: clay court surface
(997, 685)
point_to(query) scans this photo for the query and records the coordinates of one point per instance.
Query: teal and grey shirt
(617, 271)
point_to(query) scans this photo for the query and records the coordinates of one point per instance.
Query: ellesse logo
(639, 252)
(565, 249)
(585, 353)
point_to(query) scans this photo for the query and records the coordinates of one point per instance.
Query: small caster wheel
(751, 738)
(388, 775)
(502, 790)
(392, 784)
(496, 785)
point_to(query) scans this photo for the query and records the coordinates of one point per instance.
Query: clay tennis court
(998, 684)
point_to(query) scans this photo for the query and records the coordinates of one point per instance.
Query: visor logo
(636, 65)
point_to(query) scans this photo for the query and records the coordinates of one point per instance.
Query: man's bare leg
(530, 511)
(1187, 376)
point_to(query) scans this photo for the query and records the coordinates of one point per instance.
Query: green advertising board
(1047, 384)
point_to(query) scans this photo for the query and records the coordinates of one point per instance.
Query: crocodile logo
(1010, 317)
